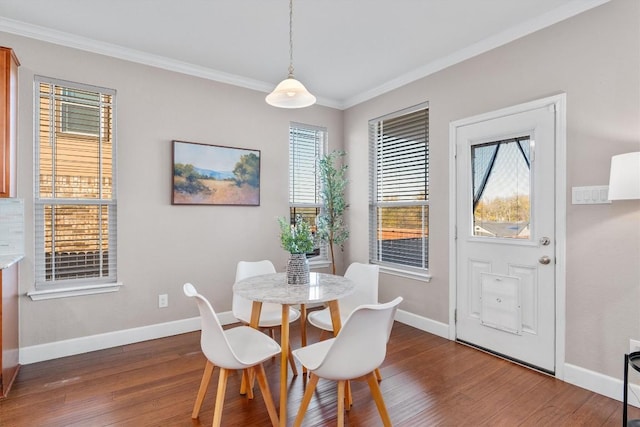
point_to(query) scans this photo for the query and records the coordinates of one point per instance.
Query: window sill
(320, 264)
(424, 277)
(38, 295)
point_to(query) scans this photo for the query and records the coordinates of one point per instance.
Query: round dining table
(273, 288)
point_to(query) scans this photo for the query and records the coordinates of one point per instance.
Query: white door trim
(559, 102)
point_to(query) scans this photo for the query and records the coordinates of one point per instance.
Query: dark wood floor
(428, 381)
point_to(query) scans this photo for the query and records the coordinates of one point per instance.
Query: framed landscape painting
(215, 175)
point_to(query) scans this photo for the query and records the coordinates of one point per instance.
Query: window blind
(399, 198)
(75, 197)
(307, 144)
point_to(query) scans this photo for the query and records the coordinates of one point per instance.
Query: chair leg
(341, 403)
(250, 379)
(303, 332)
(308, 394)
(377, 397)
(292, 363)
(348, 398)
(222, 387)
(378, 374)
(202, 391)
(266, 394)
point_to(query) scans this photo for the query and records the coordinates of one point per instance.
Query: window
(75, 193)
(79, 112)
(306, 145)
(399, 192)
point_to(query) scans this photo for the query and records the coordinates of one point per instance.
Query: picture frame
(206, 174)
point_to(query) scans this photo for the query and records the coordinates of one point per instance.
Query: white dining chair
(359, 348)
(270, 314)
(365, 277)
(240, 348)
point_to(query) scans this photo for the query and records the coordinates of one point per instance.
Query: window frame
(99, 200)
(321, 149)
(398, 269)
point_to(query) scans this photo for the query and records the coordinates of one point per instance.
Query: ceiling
(345, 51)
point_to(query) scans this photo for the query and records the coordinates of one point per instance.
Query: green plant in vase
(298, 240)
(331, 227)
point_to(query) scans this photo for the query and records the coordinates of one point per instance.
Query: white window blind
(399, 189)
(75, 191)
(307, 144)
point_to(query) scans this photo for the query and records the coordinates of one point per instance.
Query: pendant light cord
(290, 38)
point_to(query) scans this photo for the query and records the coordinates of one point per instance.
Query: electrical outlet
(163, 301)
(634, 345)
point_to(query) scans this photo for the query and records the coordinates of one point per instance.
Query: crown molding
(552, 17)
(115, 51)
(65, 39)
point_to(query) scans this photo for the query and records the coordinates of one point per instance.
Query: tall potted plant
(331, 227)
(298, 240)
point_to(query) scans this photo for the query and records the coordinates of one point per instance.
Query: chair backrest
(361, 344)
(365, 277)
(212, 339)
(242, 306)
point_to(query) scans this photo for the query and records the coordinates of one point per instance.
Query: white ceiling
(345, 51)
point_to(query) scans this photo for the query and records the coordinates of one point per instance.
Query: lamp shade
(290, 93)
(624, 180)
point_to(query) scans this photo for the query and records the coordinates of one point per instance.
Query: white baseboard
(601, 384)
(581, 377)
(54, 350)
(423, 323)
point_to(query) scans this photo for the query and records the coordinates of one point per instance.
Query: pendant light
(290, 93)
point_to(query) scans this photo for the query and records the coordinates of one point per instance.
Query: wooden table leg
(284, 367)
(256, 309)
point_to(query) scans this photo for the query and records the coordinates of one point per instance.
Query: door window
(501, 173)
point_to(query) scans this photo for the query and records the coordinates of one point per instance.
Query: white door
(505, 244)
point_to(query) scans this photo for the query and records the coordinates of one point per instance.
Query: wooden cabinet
(8, 119)
(8, 276)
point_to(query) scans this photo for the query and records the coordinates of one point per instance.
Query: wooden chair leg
(292, 363)
(222, 387)
(249, 375)
(266, 395)
(378, 375)
(348, 398)
(303, 331)
(377, 397)
(341, 403)
(308, 394)
(202, 391)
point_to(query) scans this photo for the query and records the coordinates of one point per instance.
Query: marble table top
(274, 288)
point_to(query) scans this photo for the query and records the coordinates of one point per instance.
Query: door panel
(505, 206)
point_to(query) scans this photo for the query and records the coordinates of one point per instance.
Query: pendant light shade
(290, 93)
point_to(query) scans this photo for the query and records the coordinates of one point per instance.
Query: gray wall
(161, 246)
(594, 58)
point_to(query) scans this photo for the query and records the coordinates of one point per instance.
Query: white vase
(297, 269)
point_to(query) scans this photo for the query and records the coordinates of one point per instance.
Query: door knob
(544, 260)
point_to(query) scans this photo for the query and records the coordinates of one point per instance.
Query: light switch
(592, 195)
